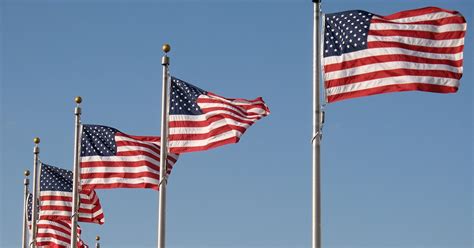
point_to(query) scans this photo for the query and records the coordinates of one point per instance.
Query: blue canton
(55, 179)
(98, 141)
(30, 206)
(346, 32)
(183, 98)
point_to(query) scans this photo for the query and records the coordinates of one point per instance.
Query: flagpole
(316, 210)
(26, 192)
(165, 61)
(76, 171)
(34, 210)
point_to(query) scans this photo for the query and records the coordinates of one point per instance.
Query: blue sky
(396, 168)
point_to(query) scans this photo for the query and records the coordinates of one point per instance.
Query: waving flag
(56, 234)
(112, 159)
(56, 197)
(367, 54)
(200, 120)
(53, 233)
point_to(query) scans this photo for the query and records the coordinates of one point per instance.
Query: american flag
(56, 197)
(53, 233)
(367, 54)
(56, 234)
(112, 159)
(200, 120)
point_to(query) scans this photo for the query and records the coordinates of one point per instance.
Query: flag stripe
(392, 88)
(389, 58)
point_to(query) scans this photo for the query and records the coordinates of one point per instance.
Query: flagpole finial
(78, 99)
(27, 173)
(166, 48)
(36, 140)
(97, 238)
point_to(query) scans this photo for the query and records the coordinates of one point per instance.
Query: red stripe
(140, 138)
(390, 73)
(183, 149)
(65, 230)
(388, 58)
(417, 12)
(232, 108)
(122, 175)
(120, 185)
(212, 133)
(239, 116)
(258, 99)
(240, 106)
(393, 88)
(118, 164)
(55, 198)
(442, 50)
(438, 22)
(206, 123)
(138, 153)
(152, 147)
(420, 34)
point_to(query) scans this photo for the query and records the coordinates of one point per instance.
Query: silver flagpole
(97, 243)
(165, 61)
(36, 174)
(76, 170)
(26, 191)
(316, 222)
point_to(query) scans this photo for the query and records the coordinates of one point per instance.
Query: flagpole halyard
(163, 148)
(76, 171)
(26, 192)
(316, 141)
(34, 210)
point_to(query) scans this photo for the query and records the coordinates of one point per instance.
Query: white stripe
(391, 81)
(55, 193)
(206, 129)
(419, 27)
(63, 204)
(136, 158)
(138, 169)
(425, 17)
(206, 116)
(203, 142)
(123, 138)
(55, 213)
(418, 41)
(250, 114)
(235, 101)
(389, 66)
(389, 51)
(114, 180)
(136, 148)
(52, 240)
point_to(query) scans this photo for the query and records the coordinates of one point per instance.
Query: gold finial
(97, 237)
(36, 140)
(27, 173)
(166, 48)
(78, 99)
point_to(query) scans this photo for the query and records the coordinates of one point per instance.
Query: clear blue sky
(396, 168)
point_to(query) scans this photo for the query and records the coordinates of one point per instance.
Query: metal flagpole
(34, 210)
(165, 61)
(76, 170)
(97, 239)
(317, 116)
(26, 191)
